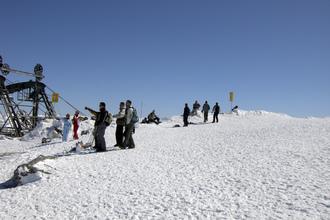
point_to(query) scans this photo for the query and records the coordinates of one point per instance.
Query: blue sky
(275, 55)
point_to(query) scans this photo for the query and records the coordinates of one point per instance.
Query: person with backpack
(131, 118)
(216, 111)
(186, 112)
(102, 121)
(120, 121)
(206, 109)
(75, 122)
(66, 127)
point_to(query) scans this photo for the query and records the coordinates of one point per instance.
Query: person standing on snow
(216, 111)
(102, 120)
(196, 107)
(66, 127)
(206, 109)
(129, 126)
(75, 121)
(120, 125)
(186, 113)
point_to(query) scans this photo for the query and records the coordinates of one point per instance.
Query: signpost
(55, 97)
(231, 99)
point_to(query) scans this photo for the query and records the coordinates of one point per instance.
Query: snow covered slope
(256, 165)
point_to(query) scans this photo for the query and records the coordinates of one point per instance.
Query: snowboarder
(120, 125)
(131, 118)
(196, 107)
(152, 117)
(206, 109)
(75, 122)
(66, 127)
(186, 113)
(216, 111)
(102, 120)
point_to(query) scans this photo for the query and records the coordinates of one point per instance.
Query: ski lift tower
(21, 114)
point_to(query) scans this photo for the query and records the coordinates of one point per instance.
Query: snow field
(254, 166)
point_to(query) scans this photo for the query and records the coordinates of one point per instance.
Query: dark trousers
(129, 142)
(99, 137)
(215, 117)
(185, 120)
(119, 134)
(206, 115)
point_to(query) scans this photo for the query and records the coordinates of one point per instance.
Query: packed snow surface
(255, 165)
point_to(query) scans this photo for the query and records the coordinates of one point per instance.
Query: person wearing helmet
(75, 122)
(66, 127)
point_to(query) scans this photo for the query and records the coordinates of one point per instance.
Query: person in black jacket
(186, 113)
(206, 109)
(99, 127)
(216, 111)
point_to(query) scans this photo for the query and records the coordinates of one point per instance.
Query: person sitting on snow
(66, 127)
(152, 117)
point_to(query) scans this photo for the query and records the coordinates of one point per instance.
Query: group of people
(205, 109)
(125, 121)
(68, 124)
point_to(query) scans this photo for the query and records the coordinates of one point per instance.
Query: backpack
(135, 117)
(108, 119)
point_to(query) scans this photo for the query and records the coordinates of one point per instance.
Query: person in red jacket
(75, 121)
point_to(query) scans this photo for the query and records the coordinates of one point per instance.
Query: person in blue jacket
(66, 127)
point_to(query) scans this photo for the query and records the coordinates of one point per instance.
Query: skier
(75, 122)
(186, 113)
(206, 109)
(103, 119)
(66, 127)
(152, 117)
(131, 118)
(216, 111)
(120, 125)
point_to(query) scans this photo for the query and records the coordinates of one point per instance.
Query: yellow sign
(55, 97)
(231, 96)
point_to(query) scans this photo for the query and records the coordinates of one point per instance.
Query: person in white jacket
(129, 126)
(120, 121)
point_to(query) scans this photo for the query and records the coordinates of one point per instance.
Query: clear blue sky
(275, 54)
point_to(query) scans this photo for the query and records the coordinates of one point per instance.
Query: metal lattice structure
(21, 113)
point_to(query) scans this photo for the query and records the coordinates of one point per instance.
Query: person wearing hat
(99, 126)
(120, 121)
(75, 122)
(66, 127)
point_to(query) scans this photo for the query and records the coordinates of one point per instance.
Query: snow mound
(261, 113)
